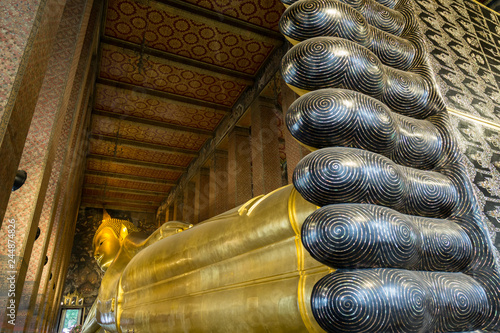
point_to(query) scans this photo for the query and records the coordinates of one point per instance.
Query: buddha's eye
(101, 242)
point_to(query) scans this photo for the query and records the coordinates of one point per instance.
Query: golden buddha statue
(241, 271)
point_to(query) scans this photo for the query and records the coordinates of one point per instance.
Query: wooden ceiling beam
(154, 123)
(145, 145)
(119, 206)
(123, 190)
(232, 23)
(121, 201)
(180, 61)
(130, 177)
(164, 95)
(134, 163)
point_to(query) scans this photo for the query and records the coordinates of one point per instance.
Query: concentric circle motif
(370, 236)
(332, 62)
(394, 300)
(331, 18)
(347, 175)
(398, 207)
(340, 117)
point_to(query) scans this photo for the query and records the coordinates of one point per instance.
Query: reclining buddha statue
(380, 231)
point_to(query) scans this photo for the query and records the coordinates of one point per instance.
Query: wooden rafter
(154, 123)
(221, 19)
(120, 201)
(134, 163)
(162, 94)
(120, 206)
(144, 145)
(181, 61)
(122, 190)
(130, 177)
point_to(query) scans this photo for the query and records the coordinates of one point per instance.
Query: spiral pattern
(380, 14)
(445, 246)
(315, 18)
(288, 2)
(394, 300)
(331, 62)
(369, 236)
(338, 117)
(490, 280)
(328, 62)
(347, 175)
(429, 194)
(375, 48)
(321, 18)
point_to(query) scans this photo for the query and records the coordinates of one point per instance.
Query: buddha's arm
(90, 325)
(167, 229)
(134, 242)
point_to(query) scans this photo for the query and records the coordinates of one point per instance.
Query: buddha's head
(108, 240)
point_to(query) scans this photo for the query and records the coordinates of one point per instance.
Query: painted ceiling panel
(140, 105)
(265, 13)
(169, 72)
(171, 30)
(122, 65)
(104, 148)
(145, 133)
(106, 166)
(129, 184)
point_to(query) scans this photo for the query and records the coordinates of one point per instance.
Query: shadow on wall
(83, 273)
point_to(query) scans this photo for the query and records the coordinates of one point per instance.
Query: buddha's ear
(123, 232)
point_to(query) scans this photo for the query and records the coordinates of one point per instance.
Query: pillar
(179, 207)
(196, 203)
(203, 191)
(189, 202)
(51, 121)
(294, 151)
(29, 31)
(170, 214)
(239, 167)
(62, 213)
(167, 215)
(266, 166)
(65, 162)
(218, 199)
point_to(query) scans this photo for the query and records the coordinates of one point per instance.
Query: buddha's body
(245, 270)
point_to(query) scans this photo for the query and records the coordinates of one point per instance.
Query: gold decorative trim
(302, 304)
(483, 5)
(73, 299)
(292, 212)
(475, 119)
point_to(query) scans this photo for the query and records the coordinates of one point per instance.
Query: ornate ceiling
(169, 72)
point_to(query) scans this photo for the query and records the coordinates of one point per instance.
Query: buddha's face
(106, 247)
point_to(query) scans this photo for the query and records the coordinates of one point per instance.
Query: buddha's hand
(398, 218)
(173, 227)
